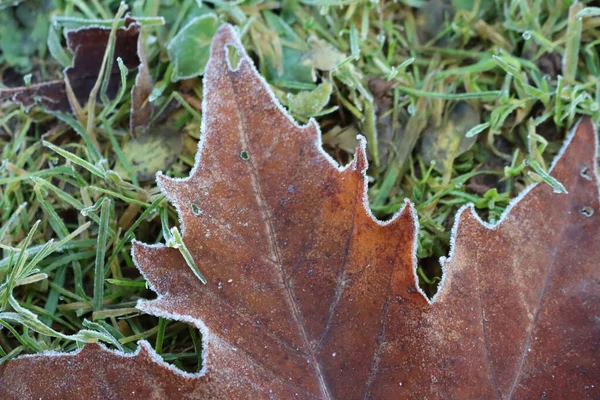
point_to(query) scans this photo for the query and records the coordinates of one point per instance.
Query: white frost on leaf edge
(493, 226)
(143, 345)
(178, 36)
(149, 307)
(311, 124)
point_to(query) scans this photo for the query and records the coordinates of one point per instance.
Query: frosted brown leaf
(309, 297)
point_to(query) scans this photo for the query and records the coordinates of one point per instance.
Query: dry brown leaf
(141, 108)
(308, 297)
(88, 46)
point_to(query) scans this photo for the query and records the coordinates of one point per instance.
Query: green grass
(500, 80)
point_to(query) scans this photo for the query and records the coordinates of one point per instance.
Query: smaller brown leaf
(141, 109)
(88, 46)
(386, 126)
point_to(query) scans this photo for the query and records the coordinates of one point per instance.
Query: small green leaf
(322, 55)
(190, 48)
(56, 49)
(288, 69)
(309, 103)
(444, 143)
(154, 151)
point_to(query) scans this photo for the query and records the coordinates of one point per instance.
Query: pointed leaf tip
(360, 155)
(167, 185)
(226, 36)
(225, 32)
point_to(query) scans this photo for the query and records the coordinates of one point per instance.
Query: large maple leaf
(309, 297)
